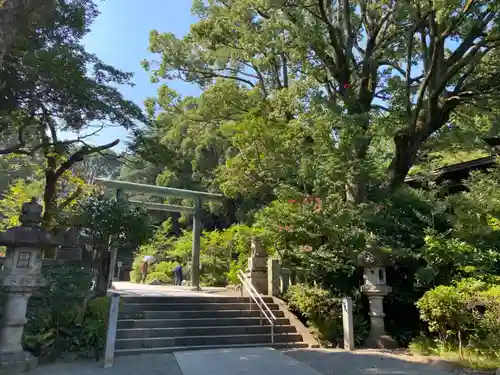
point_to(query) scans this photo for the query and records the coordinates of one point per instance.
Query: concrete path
(128, 288)
(259, 361)
(248, 361)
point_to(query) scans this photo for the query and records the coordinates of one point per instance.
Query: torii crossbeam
(158, 191)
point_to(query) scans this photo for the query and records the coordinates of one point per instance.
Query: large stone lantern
(375, 287)
(20, 277)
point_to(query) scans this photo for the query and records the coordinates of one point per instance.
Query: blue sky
(120, 35)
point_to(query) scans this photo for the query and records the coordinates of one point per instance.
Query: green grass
(470, 358)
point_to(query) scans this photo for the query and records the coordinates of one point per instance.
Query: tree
(110, 224)
(106, 164)
(54, 85)
(364, 70)
(13, 13)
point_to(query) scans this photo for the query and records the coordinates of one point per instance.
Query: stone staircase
(168, 324)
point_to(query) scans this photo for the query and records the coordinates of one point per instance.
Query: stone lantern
(375, 287)
(257, 266)
(20, 277)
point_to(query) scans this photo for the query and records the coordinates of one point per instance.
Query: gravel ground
(372, 362)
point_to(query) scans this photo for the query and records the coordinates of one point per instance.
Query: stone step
(216, 340)
(192, 314)
(188, 299)
(171, 349)
(196, 322)
(190, 306)
(138, 333)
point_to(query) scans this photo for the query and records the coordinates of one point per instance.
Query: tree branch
(80, 154)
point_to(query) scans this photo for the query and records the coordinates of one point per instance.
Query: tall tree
(54, 85)
(372, 69)
(13, 14)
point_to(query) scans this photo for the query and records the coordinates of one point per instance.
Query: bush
(92, 334)
(321, 310)
(167, 268)
(465, 315)
(159, 276)
(59, 320)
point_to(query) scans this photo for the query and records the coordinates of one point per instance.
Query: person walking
(144, 271)
(146, 262)
(178, 275)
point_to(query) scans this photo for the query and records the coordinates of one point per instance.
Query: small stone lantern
(20, 277)
(375, 287)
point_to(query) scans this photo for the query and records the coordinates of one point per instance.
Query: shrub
(321, 310)
(160, 276)
(60, 322)
(167, 268)
(464, 315)
(92, 336)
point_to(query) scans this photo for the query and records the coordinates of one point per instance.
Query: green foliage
(111, 222)
(59, 321)
(159, 276)
(322, 312)
(464, 315)
(222, 253)
(108, 219)
(18, 193)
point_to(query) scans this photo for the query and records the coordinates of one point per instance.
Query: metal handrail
(264, 308)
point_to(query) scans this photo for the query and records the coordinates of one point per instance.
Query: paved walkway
(249, 361)
(128, 288)
(254, 361)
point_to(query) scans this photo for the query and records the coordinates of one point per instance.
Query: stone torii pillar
(196, 211)
(20, 277)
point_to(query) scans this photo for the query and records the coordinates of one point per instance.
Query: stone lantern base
(381, 342)
(17, 363)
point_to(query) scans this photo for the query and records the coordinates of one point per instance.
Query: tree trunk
(406, 148)
(101, 286)
(356, 188)
(49, 197)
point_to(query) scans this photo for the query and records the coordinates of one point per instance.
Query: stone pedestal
(378, 337)
(20, 277)
(273, 277)
(257, 267)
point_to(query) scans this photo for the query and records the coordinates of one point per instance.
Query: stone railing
(281, 278)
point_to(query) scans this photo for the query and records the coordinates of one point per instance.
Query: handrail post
(114, 308)
(261, 304)
(348, 324)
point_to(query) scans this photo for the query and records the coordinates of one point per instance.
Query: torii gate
(164, 192)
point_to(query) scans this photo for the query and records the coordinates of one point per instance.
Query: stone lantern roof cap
(373, 256)
(29, 233)
(27, 236)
